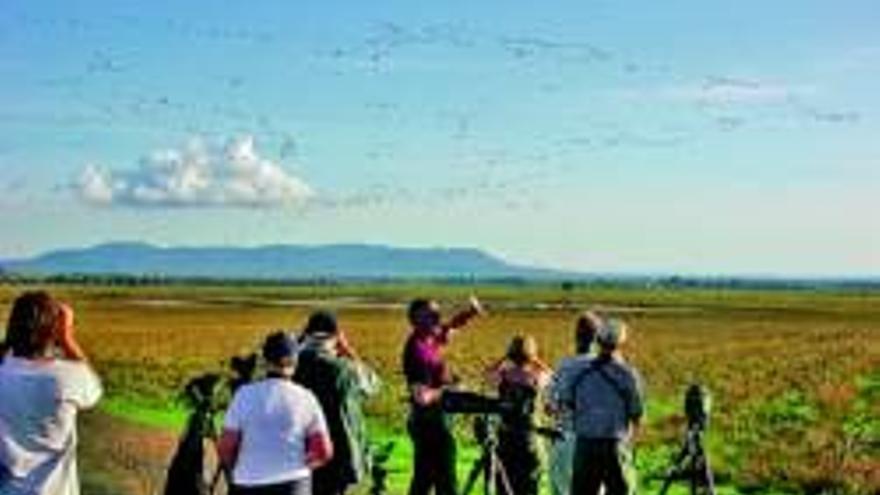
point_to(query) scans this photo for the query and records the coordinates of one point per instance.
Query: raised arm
(365, 379)
(493, 371)
(64, 336)
(344, 347)
(541, 366)
(463, 317)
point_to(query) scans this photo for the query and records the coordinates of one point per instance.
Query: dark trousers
(602, 463)
(328, 482)
(519, 454)
(298, 487)
(434, 456)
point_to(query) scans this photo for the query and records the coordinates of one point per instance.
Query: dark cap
(279, 346)
(321, 324)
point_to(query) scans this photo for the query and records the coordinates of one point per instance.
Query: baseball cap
(321, 324)
(611, 334)
(279, 346)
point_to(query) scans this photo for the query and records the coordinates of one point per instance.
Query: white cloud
(728, 90)
(722, 90)
(198, 174)
(94, 185)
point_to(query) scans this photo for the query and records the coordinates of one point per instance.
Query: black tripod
(489, 464)
(692, 464)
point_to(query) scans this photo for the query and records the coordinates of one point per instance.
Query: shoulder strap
(591, 367)
(599, 367)
(616, 385)
(576, 383)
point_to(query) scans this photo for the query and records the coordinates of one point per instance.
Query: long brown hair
(32, 322)
(522, 350)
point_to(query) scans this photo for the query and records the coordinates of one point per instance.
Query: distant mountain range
(359, 262)
(343, 261)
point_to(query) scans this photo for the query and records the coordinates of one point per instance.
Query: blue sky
(680, 136)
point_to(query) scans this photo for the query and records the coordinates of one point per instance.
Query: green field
(795, 375)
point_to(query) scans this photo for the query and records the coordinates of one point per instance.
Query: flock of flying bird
(123, 100)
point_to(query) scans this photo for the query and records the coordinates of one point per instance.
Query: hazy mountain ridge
(272, 263)
(276, 262)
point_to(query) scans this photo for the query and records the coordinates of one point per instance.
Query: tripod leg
(706, 473)
(676, 469)
(501, 477)
(478, 468)
(489, 474)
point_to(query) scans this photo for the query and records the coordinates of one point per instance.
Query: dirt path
(121, 458)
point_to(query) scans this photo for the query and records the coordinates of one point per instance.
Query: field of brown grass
(795, 376)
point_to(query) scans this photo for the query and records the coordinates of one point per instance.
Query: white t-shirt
(38, 405)
(274, 417)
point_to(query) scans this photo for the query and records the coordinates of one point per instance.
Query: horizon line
(574, 273)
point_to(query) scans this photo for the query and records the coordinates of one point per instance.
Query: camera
(200, 392)
(697, 405)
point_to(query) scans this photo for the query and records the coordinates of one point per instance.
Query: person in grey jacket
(607, 401)
(562, 451)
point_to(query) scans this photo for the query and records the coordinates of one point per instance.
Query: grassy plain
(795, 375)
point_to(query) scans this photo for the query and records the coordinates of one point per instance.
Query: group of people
(300, 428)
(595, 398)
(297, 430)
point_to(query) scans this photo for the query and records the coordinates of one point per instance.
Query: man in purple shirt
(426, 376)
